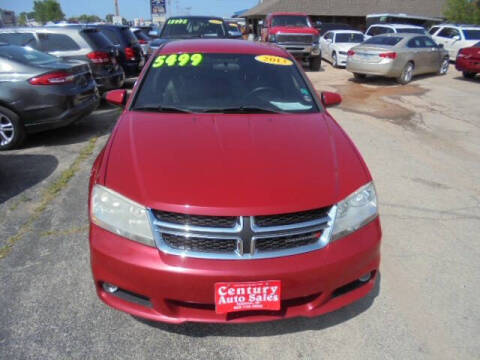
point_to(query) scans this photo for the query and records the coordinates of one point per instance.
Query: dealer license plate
(246, 296)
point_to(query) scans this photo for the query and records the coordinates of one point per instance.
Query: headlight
(272, 38)
(355, 211)
(114, 212)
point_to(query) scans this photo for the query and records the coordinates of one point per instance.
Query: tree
(88, 18)
(24, 17)
(463, 11)
(109, 18)
(47, 10)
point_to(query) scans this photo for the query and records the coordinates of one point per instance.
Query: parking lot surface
(421, 142)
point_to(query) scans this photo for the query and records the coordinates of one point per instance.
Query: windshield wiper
(244, 110)
(160, 108)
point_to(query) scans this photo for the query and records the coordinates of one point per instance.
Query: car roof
(227, 46)
(463, 26)
(288, 13)
(402, 35)
(400, 26)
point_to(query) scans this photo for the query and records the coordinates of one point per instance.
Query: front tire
(12, 132)
(468, 75)
(407, 74)
(315, 63)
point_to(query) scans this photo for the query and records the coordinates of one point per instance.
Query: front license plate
(245, 296)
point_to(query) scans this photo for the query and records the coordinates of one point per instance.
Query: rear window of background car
(26, 55)
(96, 39)
(384, 40)
(20, 39)
(473, 34)
(57, 42)
(112, 36)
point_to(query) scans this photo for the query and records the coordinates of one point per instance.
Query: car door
(434, 55)
(417, 54)
(327, 41)
(448, 36)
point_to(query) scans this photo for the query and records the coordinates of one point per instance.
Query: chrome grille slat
(295, 38)
(273, 241)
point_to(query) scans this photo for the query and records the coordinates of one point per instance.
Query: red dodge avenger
(227, 192)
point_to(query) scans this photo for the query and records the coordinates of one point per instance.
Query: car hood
(232, 164)
(293, 30)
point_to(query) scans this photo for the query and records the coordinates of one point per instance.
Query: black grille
(200, 244)
(291, 218)
(196, 220)
(297, 39)
(287, 242)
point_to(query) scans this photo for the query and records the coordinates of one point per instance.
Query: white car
(455, 37)
(381, 29)
(336, 43)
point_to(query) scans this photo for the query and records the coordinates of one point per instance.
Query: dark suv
(131, 57)
(75, 42)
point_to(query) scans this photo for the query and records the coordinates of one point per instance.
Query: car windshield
(384, 40)
(411, 31)
(473, 34)
(349, 38)
(26, 55)
(193, 28)
(224, 83)
(290, 20)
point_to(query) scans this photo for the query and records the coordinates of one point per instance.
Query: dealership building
(352, 12)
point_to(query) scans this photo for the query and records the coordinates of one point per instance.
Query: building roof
(432, 8)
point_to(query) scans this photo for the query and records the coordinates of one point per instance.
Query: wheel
(468, 75)
(315, 63)
(359, 77)
(334, 60)
(407, 73)
(444, 66)
(12, 132)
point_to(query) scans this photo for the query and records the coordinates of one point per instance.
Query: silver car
(399, 56)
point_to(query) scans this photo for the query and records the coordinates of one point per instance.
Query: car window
(433, 30)
(26, 55)
(140, 35)
(241, 80)
(290, 20)
(20, 39)
(429, 42)
(371, 31)
(448, 32)
(387, 30)
(128, 35)
(193, 28)
(473, 34)
(349, 38)
(416, 43)
(329, 36)
(112, 36)
(57, 42)
(384, 40)
(96, 39)
(410, 31)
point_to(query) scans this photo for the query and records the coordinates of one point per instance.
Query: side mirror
(330, 98)
(440, 46)
(456, 38)
(117, 97)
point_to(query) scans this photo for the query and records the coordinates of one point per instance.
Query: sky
(131, 9)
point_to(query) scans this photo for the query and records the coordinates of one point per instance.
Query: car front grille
(242, 237)
(295, 38)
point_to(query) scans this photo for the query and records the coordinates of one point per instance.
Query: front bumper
(303, 50)
(176, 289)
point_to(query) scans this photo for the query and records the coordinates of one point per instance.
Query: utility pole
(117, 11)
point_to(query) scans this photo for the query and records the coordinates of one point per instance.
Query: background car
(143, 39)
(191, 27)
(234, 29)
(399, 56)
(335, 45)
(131, 57)
(325, 27)
(468, 60)
(40, 92)
(455, 37)
(73, 42)
(380, 29)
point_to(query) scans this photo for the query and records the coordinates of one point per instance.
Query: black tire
(359, 77)
(334, 60)
(444, 66)
(315, 63)
(407, 73)
(468, 75)
(12, 132)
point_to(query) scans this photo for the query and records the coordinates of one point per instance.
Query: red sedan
(227, 192)
(468, 61)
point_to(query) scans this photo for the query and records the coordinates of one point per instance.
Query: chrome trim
(324, 224)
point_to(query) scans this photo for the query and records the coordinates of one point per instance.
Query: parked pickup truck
(296, 34)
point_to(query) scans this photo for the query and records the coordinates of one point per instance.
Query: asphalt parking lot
(421, 142)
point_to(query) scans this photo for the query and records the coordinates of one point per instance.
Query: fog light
(110, 288)
(365, 277)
